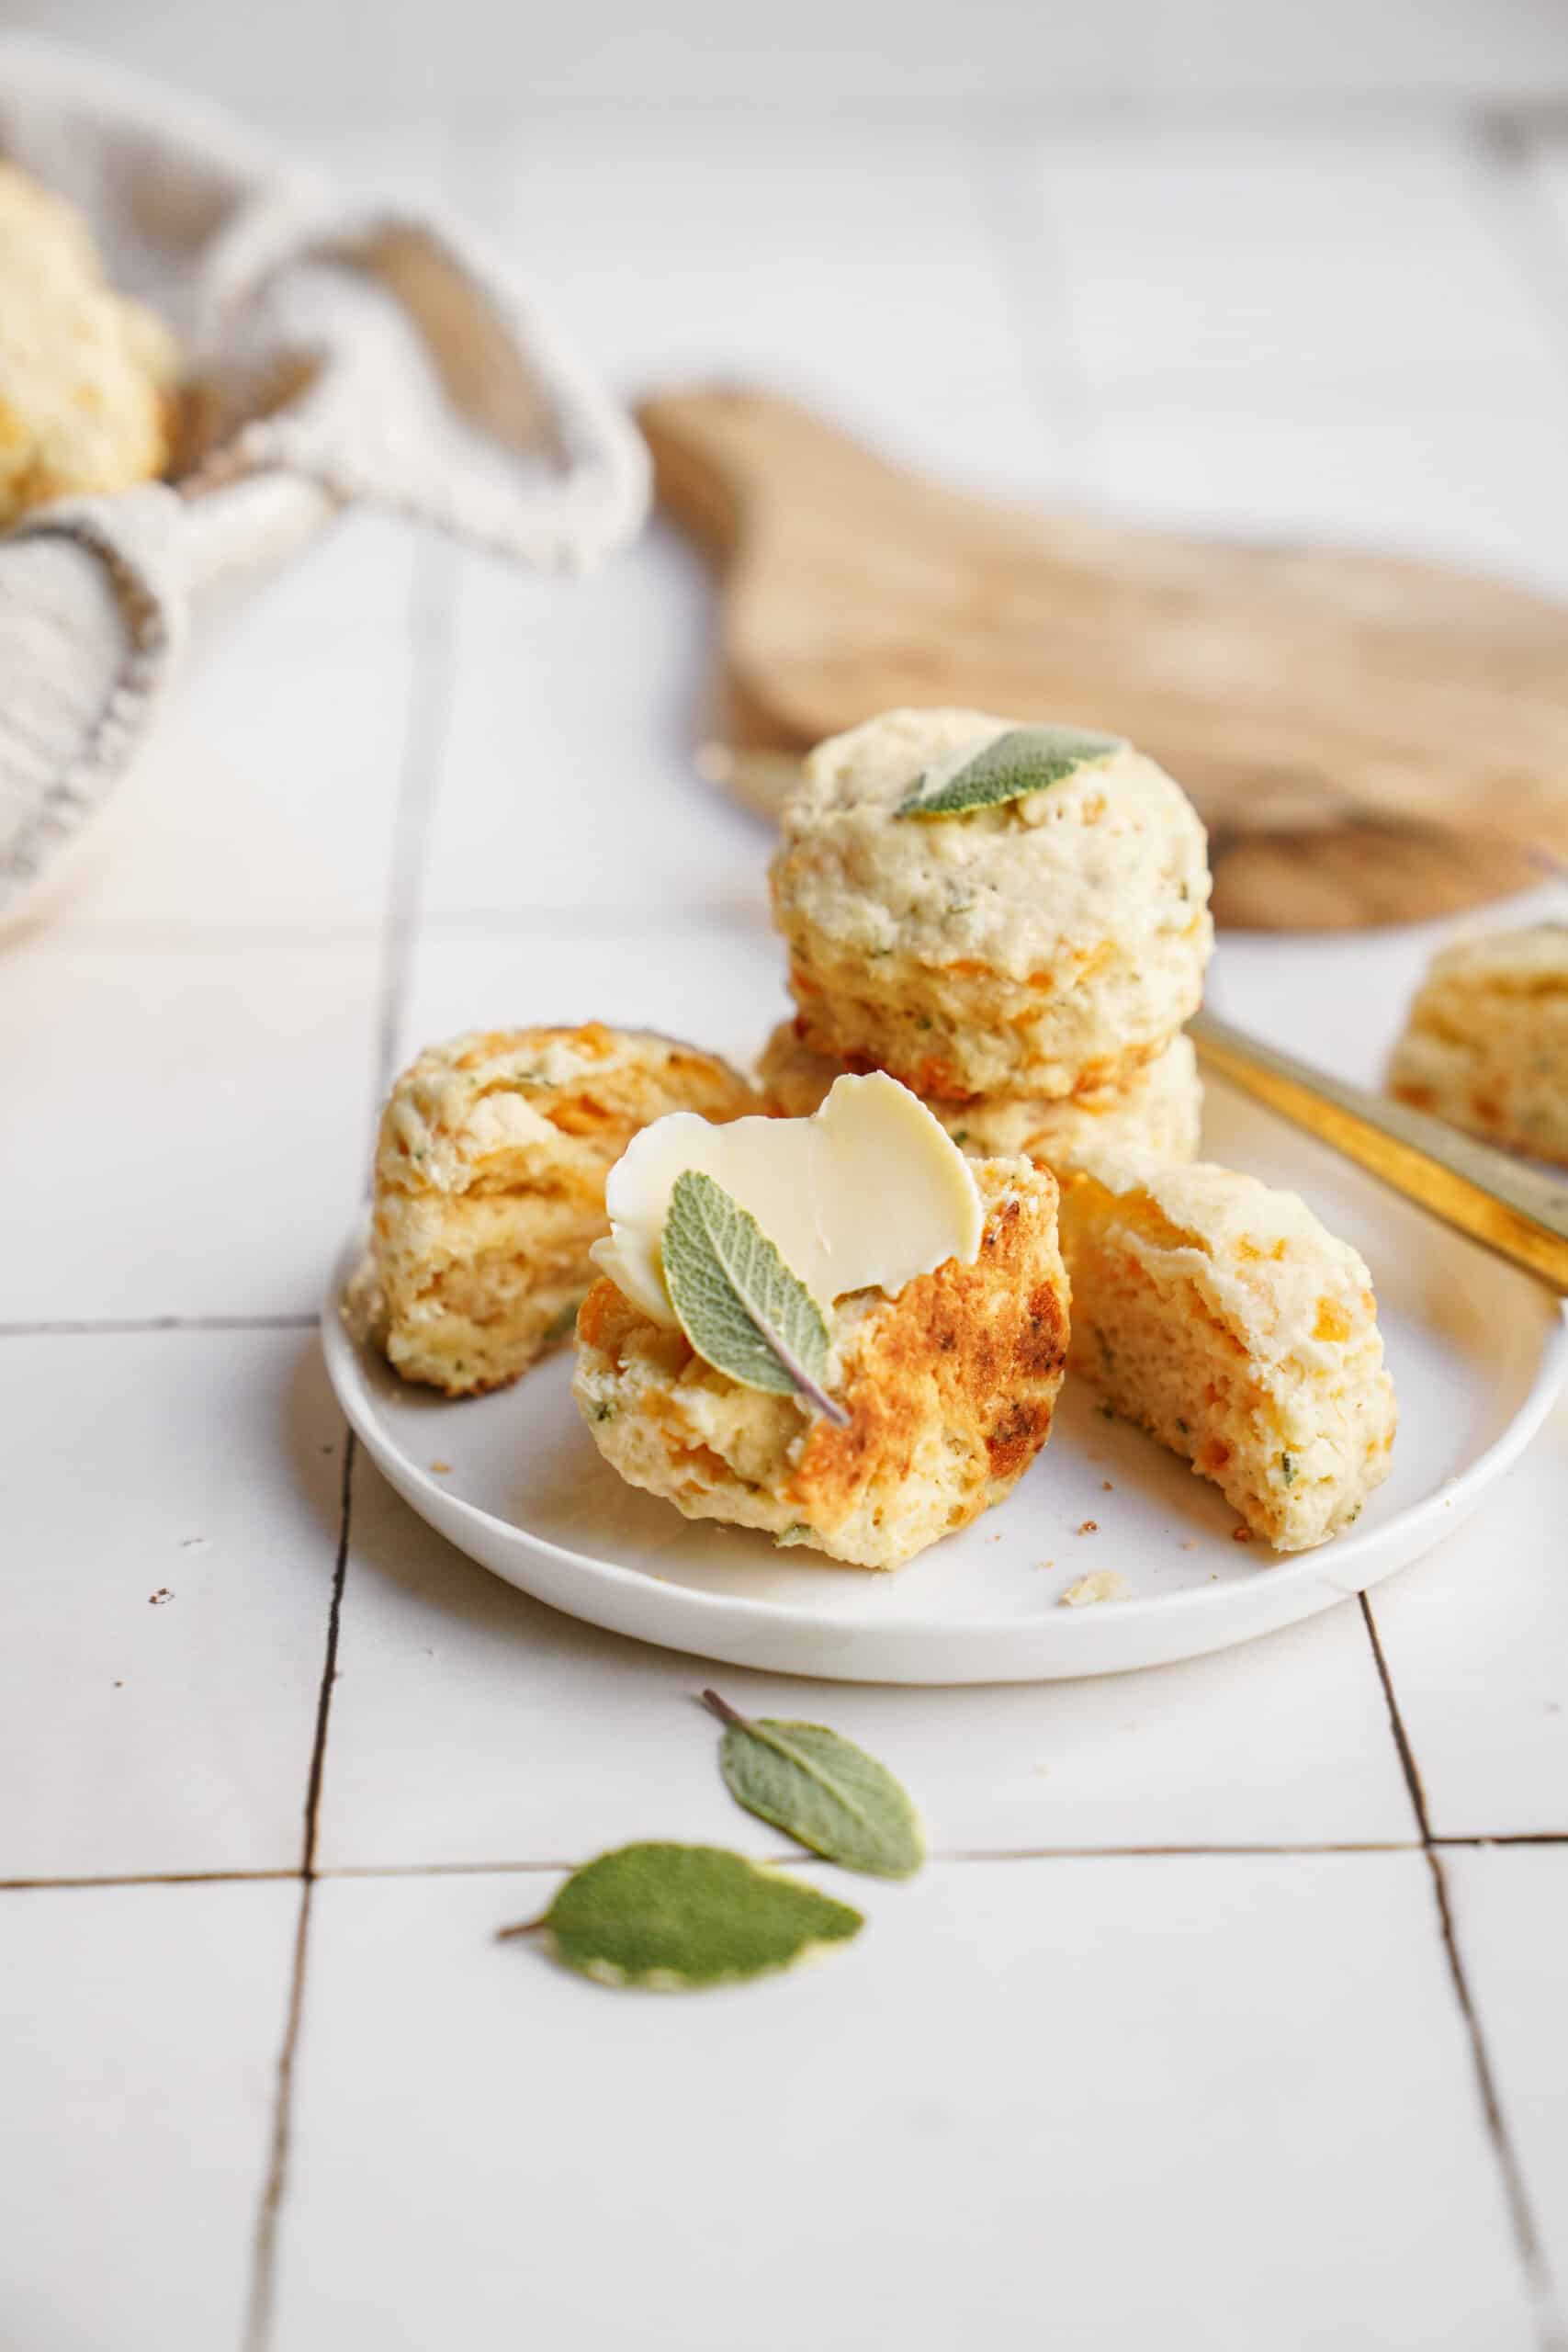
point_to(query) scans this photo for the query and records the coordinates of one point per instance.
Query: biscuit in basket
(1221, 1316)
(85, 374)
(1046, 945)
(1156, 1112)
(1486, 1042)
(950, 1386)
(489, 1187)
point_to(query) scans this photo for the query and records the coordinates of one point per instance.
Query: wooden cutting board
(1368, 739)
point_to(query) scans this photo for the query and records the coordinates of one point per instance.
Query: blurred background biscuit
(85, 373)
(1485, 1045)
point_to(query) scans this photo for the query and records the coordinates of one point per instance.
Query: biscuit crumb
(1090, 1527)
(1240, 1534)
(1104, 1584)
(1106, 1487)
(1190, 1544)
(157, 1598)
(440, 1468)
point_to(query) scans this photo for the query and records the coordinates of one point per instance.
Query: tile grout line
(264, 2248)
(1538, 2284)
(106, 1326)
(431, 623)
(1521, 219)
(1471, 1842)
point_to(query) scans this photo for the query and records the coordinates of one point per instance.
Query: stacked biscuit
(1024, 966)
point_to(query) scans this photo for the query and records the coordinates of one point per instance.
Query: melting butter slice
(865, 1194)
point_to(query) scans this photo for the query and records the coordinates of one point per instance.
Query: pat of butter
(865, 1194)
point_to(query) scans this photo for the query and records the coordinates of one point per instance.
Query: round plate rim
(1402, 1538)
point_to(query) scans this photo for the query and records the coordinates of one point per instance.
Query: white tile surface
(769, 251)
(171, 1735)
(471, 1725)
(1510, 1906)
(1326, 260)
(1268, 335)
(194, 1122)
(717, 981)
(1027, 2096)
(1476, 1638)
(141, 2034)
(270, 803)
(490, 60)
(566, 780)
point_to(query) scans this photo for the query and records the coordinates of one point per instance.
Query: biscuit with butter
(949, 1386)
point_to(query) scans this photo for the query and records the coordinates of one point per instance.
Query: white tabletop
(1228, 2013)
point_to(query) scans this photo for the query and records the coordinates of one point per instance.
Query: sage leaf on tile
(736, 1301)
(676, 1918)
(1024, 760)
(822, 1788)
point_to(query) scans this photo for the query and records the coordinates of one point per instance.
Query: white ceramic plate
(1477, 1352)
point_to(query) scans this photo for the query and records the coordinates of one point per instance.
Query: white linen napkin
(340, 354)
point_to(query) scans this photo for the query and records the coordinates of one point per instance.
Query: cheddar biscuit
(490, 1186)
(1221, 1316)
(1485, 1045)
(1157, 1110)
(1047, 947)
(950, 1388)
(84, 373)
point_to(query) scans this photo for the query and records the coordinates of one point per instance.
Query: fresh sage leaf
(676, 1918)
(737, 1303)
(822, 1788)
(1024, 760)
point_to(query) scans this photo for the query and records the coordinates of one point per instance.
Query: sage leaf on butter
(1024, 760)
(822, 1788)
(736, 1301)
(676, 1918)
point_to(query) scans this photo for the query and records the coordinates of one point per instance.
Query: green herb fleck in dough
(677, 1919)
(1287, 1469)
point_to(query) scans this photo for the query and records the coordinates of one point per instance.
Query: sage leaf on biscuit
(822, 1788)
(1024, 760)
(677, 1919)
(736, 1301)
